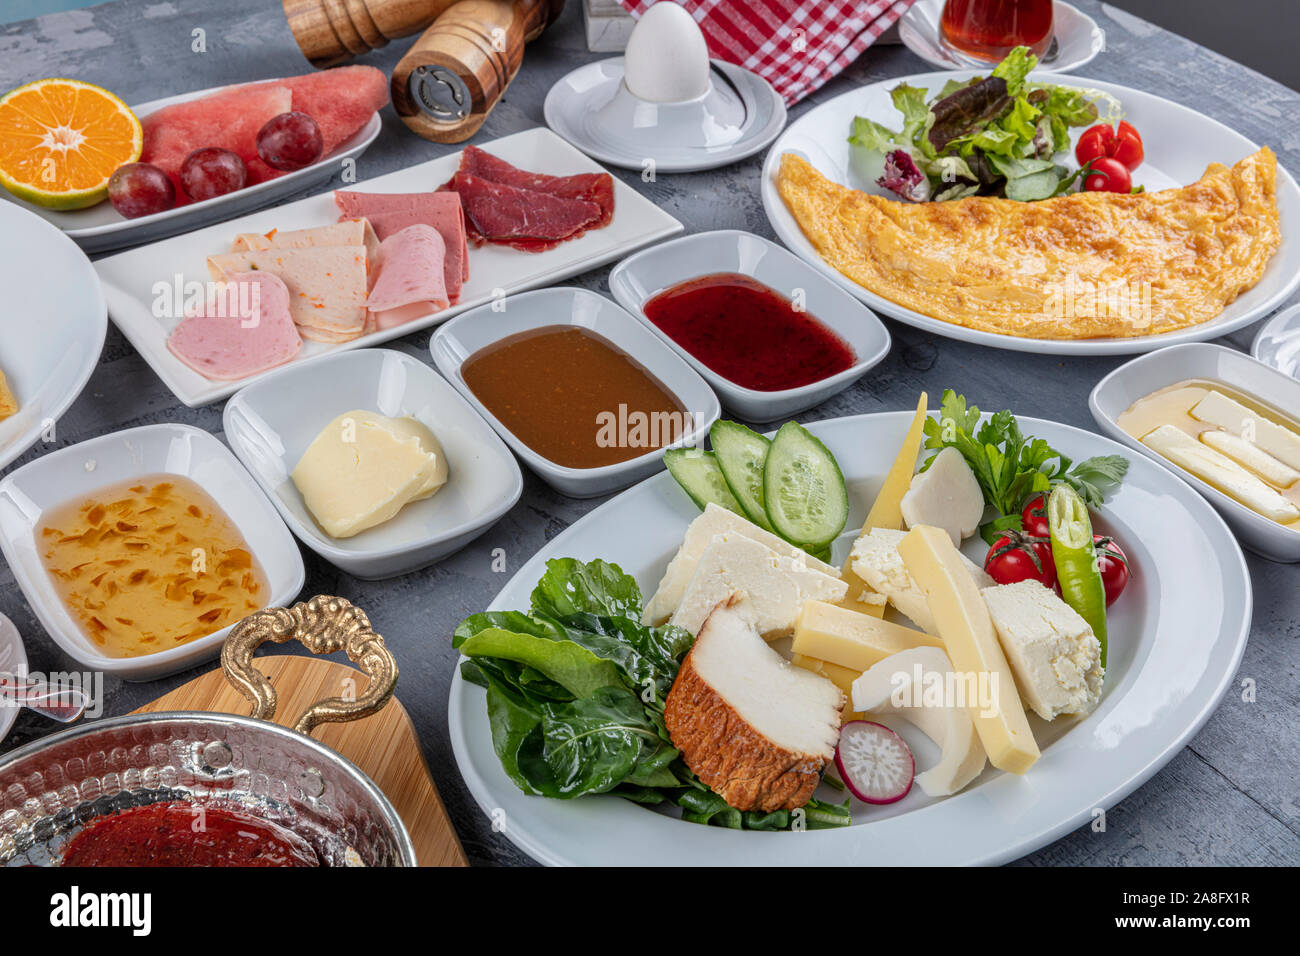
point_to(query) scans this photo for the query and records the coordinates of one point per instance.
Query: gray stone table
(1231, 797)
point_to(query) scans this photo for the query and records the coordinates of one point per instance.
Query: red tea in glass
(989, 29)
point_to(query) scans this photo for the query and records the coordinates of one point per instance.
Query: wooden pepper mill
(448, 82)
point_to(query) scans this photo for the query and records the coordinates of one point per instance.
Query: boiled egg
(666, 60)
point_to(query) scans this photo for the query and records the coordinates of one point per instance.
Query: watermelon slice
(229, 119)
(340, 100)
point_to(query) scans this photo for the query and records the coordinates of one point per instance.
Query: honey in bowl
(148, 565)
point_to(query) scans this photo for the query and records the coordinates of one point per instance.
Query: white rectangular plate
(132, 280)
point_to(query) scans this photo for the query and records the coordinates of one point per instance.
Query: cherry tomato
(1108, 175)
(1033, 519)
(1017, 556)
(1122, 143)
(1113, 565)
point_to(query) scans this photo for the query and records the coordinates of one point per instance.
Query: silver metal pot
(51, 788)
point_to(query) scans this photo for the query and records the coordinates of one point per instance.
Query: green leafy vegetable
(575, 695)
(1011, 467)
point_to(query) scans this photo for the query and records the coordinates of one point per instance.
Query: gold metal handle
(323, 625)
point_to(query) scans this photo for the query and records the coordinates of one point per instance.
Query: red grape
(140, 189)
(211, 171)
(290, 141)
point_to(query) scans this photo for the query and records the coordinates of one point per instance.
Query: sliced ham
(245, 328)
(410, 283)
(327, 285)
(389, 213)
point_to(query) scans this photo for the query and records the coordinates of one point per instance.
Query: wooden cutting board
(383, 745)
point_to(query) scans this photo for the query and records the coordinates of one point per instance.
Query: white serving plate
(1179, 142)
(1176, 637)
(1277, 343)
(101, 227)
(1078, 39)
(52, 326)
(458, 340)
(642, 276)
(1149, 373)
(129, 278)
(271, 423)
(80, 470)
(13, 659)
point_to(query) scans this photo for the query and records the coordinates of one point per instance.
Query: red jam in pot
(748, 333)
(186, 834)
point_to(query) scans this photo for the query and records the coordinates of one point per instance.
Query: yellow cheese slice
(850, 639)
(972, 645)
(8, 404)
(886, 513)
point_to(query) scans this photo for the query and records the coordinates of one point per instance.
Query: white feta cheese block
(1220, 471)
(1250, 455)
(913, 684)
(945, 495)
(875, 559)
(1052, 651)
(1218, 409)
(777, 585)
(713, 521)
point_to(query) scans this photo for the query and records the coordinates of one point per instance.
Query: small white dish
(52, 326)
(456, 341)
(13, 660)
(640, 277)
(1277, 343)
(1199, 360)
(101, 228)
(1076, 38)
(141, 284)
(77, 471)
(271, 423)
(594, 110)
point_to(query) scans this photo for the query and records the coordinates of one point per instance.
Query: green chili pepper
(1076, 559)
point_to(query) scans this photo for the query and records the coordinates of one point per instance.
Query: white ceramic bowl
(270, 423)
(78, 471)
(641, 276)
(13, 659)
(52, 325)
(464, 335)
(1155, 370)
(1277, 343)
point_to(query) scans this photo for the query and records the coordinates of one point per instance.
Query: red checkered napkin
(796, 46)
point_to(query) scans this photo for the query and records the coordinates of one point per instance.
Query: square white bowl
(78, 471)
(466, 334)
(271, 423)
(640, 277)
(1199, 360)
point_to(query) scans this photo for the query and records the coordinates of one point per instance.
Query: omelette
(1078, 266)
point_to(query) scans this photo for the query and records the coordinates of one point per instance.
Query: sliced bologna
(393, 212)
(410, 283)
(245, 328)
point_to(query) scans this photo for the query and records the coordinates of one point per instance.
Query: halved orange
(60, 141)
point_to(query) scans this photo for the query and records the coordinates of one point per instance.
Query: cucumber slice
(742, 453)
(698, 473)
(803, 489)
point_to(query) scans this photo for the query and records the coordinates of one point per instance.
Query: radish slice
(874, 762)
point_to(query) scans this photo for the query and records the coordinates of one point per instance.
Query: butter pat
(1253, 457)
(1056, 658)
(1218, 409)
(967, 631)
(852, 640)
(364, 467)
(1222, 472)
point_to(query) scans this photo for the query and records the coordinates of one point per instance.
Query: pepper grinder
(454, 74)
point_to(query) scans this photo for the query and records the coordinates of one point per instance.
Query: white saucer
(1278, 342)
(1078, 38)
(14, 660)
(594, 111)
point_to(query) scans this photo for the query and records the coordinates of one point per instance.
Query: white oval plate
(52, 325)
(1176, 637)
(101, 227)
(1179, 142)
(13, 659)
(1078, 38)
